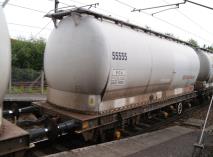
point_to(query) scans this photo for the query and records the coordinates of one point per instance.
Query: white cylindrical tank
(88, 60)
(206, 67)
(5, 57)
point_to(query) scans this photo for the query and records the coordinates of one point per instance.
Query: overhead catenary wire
(180, 3)
(176, 7)
(42, 29)
(121, 2)
(77, 2)
(34, 10)
(101, 9)
(164, 21)
(161, 6)
(64, 3)
(125, 4)
(23, 25)
(192, 21)
(36, 34)
(27, 8)
(198, 4)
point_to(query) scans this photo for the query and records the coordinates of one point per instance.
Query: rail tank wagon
(4, 59)
(95, 65)
(206, 67)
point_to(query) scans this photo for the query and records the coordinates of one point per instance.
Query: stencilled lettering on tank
(119, 56)
(118, 77)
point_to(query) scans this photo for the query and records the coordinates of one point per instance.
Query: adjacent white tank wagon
(5, 58)
(206, 67)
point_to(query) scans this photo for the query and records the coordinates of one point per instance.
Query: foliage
(20, 75)
(210, 48)
(193, 42)
(147, 27)
(28, 54)
(23, 89)
(170, 35)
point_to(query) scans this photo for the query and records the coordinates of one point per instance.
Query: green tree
(193, 42)
(147, 27)
(210, 47)
(28, 54)
(170, 34)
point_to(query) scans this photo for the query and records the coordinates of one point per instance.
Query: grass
(22, 90)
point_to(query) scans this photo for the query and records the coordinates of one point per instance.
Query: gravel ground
(201, 114)
(177, 147)
(183, 146)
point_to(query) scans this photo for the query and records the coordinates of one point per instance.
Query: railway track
(158, 123)
(67, 141)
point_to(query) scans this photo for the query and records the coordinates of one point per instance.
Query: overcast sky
(189, 21)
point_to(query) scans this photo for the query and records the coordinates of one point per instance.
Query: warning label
(118, 77)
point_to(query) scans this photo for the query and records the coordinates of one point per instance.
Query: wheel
(179, 108)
